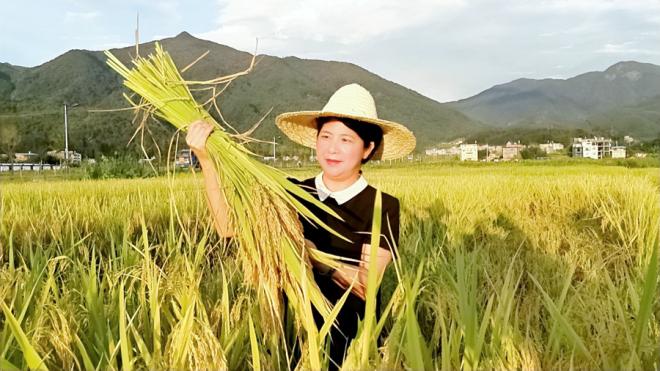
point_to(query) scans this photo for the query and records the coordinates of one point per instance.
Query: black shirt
(357, 214)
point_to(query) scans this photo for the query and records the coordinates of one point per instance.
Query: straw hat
(355, 102)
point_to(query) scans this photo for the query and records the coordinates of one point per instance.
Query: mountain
(622, 99)
(642, 119)
(31, 98)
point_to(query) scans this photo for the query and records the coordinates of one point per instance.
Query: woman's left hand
(347, 275)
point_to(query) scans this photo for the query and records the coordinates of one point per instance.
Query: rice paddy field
(501, 267)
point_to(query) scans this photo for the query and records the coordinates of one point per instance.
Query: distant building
(493, 153)
(445, 149)
(74, 157)
(628, 139)
(490, 152)
(551, 147)
(435, 152)
(25, 157)
(584, 149)
(618, 152)
(453, 151)
(469, 152)
(511, 150)
(509, 153)
(186, 158)
(595, 148)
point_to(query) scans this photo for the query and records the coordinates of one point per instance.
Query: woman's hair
(366, 131)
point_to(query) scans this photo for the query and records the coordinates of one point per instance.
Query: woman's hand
(346, 275)
(198, 133)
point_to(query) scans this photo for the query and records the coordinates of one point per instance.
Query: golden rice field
(502, 267)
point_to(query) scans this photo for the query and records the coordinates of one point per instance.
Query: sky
(445, 49)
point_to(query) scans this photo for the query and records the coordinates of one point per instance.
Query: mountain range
(31, 98)
(623, 100)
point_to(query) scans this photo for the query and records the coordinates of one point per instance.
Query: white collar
(340, 196)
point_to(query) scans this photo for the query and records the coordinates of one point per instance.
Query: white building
(74, 157)
(585, 149)
(618, 152)
(451, 151)
(595, 148)
(551, 147)
(469, 152)
(436, 152)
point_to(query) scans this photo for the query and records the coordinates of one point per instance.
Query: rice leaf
(573, 337)
(254, 347)
(8, 366)
(87, 361)
(649, 297)
(124, 340)
(372, 280)
(30, 355)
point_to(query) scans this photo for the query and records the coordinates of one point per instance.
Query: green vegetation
(502, 266)
(532, 153)
(31, 98)
(31, 103)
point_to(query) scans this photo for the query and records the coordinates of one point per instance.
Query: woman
(346, 134)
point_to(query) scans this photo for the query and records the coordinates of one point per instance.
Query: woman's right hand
(198, 133)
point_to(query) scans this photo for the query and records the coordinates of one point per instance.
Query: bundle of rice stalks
(263, 209)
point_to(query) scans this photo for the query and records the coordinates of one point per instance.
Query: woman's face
(340, 150)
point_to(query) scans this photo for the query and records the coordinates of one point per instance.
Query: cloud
(448, 49)
(626, 48)
(583, 6)
(80, 16)
(282, 23)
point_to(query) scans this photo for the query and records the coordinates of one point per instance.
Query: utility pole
(137, 35)
(66, 137)
(66, 132)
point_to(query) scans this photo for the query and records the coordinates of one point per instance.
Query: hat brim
(300, 127)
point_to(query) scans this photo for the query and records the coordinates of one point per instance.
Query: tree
(9, 138)
(532, 152)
